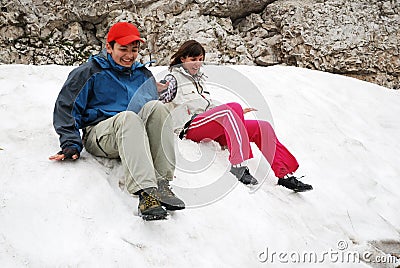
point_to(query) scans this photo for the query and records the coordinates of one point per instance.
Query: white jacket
(191, 98)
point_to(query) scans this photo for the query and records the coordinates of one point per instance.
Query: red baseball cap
(124, 33)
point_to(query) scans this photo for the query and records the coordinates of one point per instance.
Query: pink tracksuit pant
(226, 125)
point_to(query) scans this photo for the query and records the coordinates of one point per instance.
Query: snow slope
(344, 133)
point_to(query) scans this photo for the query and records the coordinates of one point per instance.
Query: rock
(355, 38)
(267, 60)
(11, 33)
(75, 33)
(234, 9)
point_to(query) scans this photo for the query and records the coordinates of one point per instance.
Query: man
(113, 99)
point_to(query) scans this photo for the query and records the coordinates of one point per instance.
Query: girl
(196, 118)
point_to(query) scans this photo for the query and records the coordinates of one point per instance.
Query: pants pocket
(101, 143)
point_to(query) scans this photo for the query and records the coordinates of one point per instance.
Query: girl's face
(192, 64)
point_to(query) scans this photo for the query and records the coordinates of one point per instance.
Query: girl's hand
(162, 86)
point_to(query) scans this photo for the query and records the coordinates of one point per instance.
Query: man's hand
(66, 153)
(162, 85)
(246, 110)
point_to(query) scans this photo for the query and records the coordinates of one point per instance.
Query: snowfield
(344, 133)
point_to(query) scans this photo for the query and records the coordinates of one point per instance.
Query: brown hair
(190, 48)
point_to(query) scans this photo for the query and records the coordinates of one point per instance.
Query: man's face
(124, 55)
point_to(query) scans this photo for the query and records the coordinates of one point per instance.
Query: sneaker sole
(249, 183)
(302, 190)
(153, 217)
(174, 208)
(170, 207)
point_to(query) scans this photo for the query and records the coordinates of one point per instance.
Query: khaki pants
(144, 142)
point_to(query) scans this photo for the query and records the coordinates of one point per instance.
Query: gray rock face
(354, 38)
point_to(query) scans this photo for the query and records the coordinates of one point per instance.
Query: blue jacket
(97, 90)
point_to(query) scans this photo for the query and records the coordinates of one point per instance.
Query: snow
(344, 133)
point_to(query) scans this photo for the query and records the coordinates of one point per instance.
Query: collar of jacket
(197, 77)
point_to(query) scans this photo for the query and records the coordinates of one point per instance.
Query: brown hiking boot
(167, 198)
(149, 207)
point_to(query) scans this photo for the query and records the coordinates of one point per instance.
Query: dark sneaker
(243, 175)
(167, 198)
(149, 207)
(292, 183)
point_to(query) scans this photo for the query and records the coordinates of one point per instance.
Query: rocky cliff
(354, 38)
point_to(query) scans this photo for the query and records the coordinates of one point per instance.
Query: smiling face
(192, 64)
(124, 55)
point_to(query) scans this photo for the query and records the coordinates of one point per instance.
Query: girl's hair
(190, 48)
